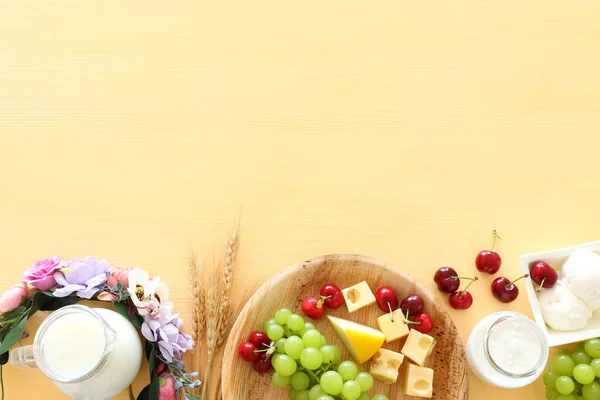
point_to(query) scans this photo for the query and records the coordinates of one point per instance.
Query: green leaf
(123, 309)
(4, 358)
(144, 394)
(154, 387)
(45, 301)
(14, 335)
(195, 397)
(14, 315)
(162, 381)
(117, 288)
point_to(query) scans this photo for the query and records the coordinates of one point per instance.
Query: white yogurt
(507, 349)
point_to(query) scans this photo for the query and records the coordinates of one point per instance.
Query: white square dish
(555, 257)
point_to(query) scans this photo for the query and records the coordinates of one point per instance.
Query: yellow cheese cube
(418, 381)
(393, 330)
(418, 346)
(385, 365)
(358, 296)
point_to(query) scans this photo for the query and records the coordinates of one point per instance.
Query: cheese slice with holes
(385, 365)
(418, 381)
(358, 296)
(361, 341)
(418, 346)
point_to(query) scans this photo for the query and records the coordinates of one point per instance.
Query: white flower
(147, 294)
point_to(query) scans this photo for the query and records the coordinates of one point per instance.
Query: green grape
(550, 378)
(365, 380)
(325, 397)
(300, 380)
(285, 365)
(566, 397)
(331, 382)
(581, 357)
(565, 385)
(281, 316)
(579, 347)
(269, 322)
(311, 358)
(380, 397)
(307, 327)
(337, 354)
(563, 365)
(347, 370)
(312, 338)
(592, 348)
(351, 390)
(596, 365)
(295, 322)
(292, 394)
(564, 352)
(274, 331)
(591, 391)
(274, 357)
(327, 352)
(280, 381)
(315, 392)
(323, 341)
(302, 395)
(584, 374)
(280, 344)
(293, 347)
(552, 393)
(364, 396)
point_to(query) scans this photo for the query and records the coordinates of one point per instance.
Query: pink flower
(11, 299)
(167, 389)
(119, 275)
(41, 275)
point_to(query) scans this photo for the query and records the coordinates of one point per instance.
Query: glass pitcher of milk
(91, 354)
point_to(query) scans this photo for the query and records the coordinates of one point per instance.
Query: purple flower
(166, 331)
(85, 277)
(41, 275)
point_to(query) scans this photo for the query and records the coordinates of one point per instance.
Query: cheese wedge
(361, 341)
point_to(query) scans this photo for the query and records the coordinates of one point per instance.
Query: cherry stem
(409, 322)
(462, 294)
(464, 277)
(494, 236)
(541, 285)
(518, 279)
(391, 312)
(322, 300)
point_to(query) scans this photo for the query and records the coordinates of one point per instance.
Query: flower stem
(1, 382)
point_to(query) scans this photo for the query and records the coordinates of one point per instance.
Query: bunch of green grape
(575, 375)
(309, 367)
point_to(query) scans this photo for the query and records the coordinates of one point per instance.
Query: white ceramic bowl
(555, 257)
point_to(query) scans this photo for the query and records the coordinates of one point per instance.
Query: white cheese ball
(581, 274)
(562, 310)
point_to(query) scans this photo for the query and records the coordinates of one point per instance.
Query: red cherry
(424, 324)
(447, 280)
(263, 364)
(543, 274)
(412, 305)
(461, 300)
(332, 295)
(488, 260)
(247, 352)
(259, 339)
(505, 290)
(386, 299)
(313, 308)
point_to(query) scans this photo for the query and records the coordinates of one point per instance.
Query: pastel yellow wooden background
(407, 131)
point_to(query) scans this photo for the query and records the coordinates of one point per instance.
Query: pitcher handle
(23, 357)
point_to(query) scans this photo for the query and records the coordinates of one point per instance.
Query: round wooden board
(289, 287)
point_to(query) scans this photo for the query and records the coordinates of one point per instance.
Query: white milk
(75, 345)
(515, 344)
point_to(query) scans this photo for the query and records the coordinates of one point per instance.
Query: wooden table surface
(405, 131)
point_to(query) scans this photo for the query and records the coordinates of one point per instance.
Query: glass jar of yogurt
(507, 349)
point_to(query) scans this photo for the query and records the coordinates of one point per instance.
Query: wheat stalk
(231, 250)
(212, 321)
(198, 320)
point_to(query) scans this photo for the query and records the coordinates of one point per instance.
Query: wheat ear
(212, 321)
(231, 250)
